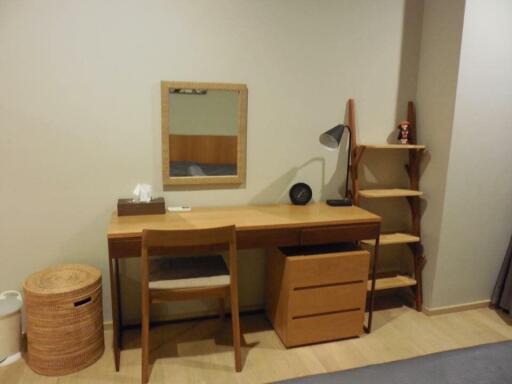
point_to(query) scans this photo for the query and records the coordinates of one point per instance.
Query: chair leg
(145, 340)
(235, 319)
(222, 310)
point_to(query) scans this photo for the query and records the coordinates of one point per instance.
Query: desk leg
(419, 263)
(119, 306)
(114, 291)
(372, 291)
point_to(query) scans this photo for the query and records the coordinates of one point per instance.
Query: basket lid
(9, 305)
(61, 279)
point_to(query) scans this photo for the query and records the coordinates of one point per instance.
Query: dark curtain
(502, 294)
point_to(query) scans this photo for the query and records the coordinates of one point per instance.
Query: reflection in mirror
(203, 128)
(203, 133)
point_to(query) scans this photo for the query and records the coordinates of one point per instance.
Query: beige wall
(80, 120)
(437, 85)
(465, 93)
(80, 109)
(477, 216)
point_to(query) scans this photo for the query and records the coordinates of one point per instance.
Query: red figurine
(403, 132)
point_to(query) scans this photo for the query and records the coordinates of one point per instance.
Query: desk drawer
(267, 238)
(338, 234)
(333, 326)
(330, 268)
(326, 299)
(131, 247)
(124, 247)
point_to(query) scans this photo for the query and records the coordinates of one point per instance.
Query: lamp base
(345, 202)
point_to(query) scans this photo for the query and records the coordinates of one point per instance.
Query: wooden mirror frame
(239, 178)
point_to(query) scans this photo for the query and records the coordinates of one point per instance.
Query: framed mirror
(203, 133)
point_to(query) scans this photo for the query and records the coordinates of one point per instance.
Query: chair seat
(188, 272)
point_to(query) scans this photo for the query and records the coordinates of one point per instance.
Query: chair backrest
(181, 239)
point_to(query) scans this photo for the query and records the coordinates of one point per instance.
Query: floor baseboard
(246, 310)
(258, 308)
(455, 308)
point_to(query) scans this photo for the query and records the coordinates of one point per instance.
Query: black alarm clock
(300, 194)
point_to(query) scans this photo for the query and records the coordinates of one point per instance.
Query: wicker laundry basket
(64, 319)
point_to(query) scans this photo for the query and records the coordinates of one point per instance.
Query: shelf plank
(393, 146)
(393, 192)
(398, 281)
(394, 238)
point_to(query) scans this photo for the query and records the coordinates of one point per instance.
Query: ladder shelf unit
(410, 237)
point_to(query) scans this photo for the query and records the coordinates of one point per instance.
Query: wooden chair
(186, 278)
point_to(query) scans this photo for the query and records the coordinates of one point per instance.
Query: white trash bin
(10, 327)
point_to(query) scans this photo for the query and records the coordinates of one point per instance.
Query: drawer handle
(325, 313)
(327, 285)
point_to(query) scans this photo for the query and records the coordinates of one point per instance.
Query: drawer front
(338, 234)
(128, 247)
(267, 238)
(331, 268)
(131, 247)
(315, 329)
(333, 298)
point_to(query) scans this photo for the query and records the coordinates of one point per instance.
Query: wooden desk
(256, 227)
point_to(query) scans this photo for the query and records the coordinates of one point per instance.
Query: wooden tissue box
(128, 207)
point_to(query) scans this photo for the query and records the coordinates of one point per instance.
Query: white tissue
(142, 193)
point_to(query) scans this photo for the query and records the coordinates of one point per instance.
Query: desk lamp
(331, 141)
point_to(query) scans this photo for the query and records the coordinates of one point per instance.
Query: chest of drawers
(316, 294)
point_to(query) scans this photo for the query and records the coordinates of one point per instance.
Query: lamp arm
(349, 158)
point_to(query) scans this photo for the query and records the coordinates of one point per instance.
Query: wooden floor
(200, 351)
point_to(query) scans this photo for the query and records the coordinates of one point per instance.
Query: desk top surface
(249, 217)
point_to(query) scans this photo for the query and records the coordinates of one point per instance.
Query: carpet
(484, 364)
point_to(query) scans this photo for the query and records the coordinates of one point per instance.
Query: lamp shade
(331, 139)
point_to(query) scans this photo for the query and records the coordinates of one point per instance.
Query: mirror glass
(203, 128)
